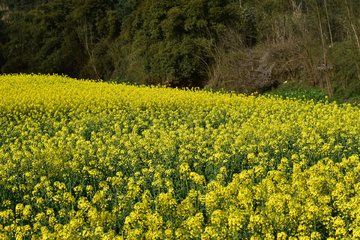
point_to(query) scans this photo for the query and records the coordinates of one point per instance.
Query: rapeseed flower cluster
(85, 160)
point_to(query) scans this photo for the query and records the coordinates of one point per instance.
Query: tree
(42, 41)
(97, 27)
(63, 36)
(124, 8)
(165, 39)
(3, 38)
(23, 5)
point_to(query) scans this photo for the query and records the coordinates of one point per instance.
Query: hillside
(243, 46)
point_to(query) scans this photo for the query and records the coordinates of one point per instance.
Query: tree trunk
(327, 77)
(328, 21)
(357, 41)
(83, 32)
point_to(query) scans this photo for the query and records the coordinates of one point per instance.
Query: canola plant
(85, 160)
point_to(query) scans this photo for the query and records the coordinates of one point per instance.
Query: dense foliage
(61, 37)
(85, 160)
(159, 40)
(244, 46)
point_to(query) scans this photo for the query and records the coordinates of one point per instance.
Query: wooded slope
(242, 46)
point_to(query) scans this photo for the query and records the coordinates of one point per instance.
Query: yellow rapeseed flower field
(85, 160)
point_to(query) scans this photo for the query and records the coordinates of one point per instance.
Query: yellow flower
(97, 160)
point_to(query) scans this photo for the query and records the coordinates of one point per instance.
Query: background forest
(238, 45)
